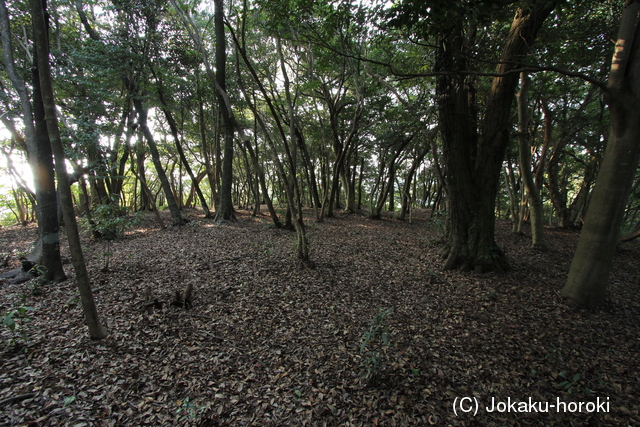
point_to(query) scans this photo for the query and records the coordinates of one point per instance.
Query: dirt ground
(269, 342)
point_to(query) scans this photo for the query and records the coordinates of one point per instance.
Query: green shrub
(110, 221)
(374, 346)
(16, 320)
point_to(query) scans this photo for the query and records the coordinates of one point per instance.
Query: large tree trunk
(224, 212)
(589, 272)
(474, 161)
(47, 250)
(96, 330)
(524, 148)
(46, 195)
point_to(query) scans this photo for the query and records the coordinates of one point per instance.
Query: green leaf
(9, 322)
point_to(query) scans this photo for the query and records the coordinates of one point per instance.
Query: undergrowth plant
(572, 383)
(373, 347)
(108, 222)
(16, 320)
(187, 410)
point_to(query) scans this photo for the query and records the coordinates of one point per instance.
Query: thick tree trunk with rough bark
(96, 330)
(224, 211)
(47, 250)
(591, 266)
(474, 161)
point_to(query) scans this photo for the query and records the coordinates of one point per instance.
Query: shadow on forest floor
(270, 343)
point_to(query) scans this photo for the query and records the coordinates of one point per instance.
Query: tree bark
(387, 188)
(47, 250)
(225, 208)
(406, 200)
(473, 160)
(176, 216)
(96, 330)
(291, 149)
(176, 138)
(524, 148)
(591, 265)
(247, 144)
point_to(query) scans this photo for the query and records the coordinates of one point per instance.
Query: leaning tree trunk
(176, 138)
(589, 272)
(294, 196)
(96, 330)
(473, 161)
(155, 156)
(258, 122)
(406, 200)
(524, 148)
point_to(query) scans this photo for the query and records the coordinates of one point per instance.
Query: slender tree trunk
(579, 205)
(96, 330)
(145, 201)
(392, 190)
(406, 199)
(155, 156)
(591, 266)
(206, 154)
(311, 174)
(149, 196)
(118, 175)
(176, 138)
(387, 190)
(360, 177)
(293, 190)
(512, 191)
(533, 195)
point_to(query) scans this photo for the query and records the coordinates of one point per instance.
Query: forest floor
(269, 342)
